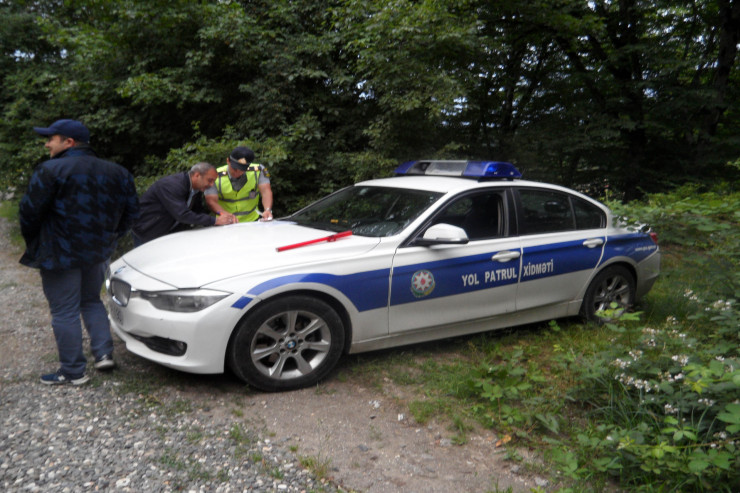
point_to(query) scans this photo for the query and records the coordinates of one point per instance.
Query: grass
(9, 211)
(319, 465)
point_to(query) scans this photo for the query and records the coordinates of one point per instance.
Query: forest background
(629, 97)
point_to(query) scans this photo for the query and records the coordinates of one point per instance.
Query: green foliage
(507, 387)
(699, 221)
(9, 211)
(671, 406)
(633, 97)
(667, 393)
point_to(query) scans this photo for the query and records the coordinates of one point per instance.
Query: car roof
(446, 184)
(456, 184)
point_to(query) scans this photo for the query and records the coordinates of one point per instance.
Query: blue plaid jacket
(76, 208)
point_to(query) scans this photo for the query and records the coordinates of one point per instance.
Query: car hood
(196, 258)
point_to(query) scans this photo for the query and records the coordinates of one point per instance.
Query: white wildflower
(682, 359)
(621, 363)
(690, 295)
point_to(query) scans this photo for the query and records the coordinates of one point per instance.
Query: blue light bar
(467, 169)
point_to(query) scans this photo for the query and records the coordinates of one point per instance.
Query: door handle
(593, 243)
(505, 256)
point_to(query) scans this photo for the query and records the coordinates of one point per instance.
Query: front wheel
(613, 285)
(287, 344)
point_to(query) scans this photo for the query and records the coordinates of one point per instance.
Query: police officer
(239, 187)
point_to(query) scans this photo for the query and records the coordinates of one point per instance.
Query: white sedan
(445, 248)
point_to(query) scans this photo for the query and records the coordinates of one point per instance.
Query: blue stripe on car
(555, 259)
(369, 290)
(448, 277)
(242, 302)
(637, 246)
(366, 290)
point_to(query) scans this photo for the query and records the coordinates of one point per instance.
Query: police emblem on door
(422, 283)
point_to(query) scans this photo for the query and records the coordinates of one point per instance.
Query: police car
(445, 248)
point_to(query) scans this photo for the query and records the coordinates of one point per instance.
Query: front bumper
(191, 342)
(194, 342)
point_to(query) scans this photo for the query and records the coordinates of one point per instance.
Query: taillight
(654, 237)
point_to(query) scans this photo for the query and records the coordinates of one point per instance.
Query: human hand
(267, 215)
(225, 218)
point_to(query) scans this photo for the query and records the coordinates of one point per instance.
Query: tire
(614, 284)
(287, 344)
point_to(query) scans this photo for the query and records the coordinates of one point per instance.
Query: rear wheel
(613, 285)
(287, 344)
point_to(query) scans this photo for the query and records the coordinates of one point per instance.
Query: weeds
(318, 465)
(243, 438)
(9, 211)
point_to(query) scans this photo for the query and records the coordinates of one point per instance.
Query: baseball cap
(68, 128)
(239, 153)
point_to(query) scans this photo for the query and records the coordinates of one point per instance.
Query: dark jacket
(75, 209)
(164, 208)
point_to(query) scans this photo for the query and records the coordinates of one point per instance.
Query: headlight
(184, 300)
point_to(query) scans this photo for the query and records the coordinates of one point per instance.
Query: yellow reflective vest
(243, 203)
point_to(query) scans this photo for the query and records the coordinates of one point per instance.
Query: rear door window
(545, 211)
(588, 216)
(549, 211)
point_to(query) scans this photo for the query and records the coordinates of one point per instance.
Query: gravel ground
(112, 433)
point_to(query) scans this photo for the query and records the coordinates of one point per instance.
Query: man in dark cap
(239, 186)
(76, 208)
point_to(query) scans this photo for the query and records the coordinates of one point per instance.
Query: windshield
(367, 211)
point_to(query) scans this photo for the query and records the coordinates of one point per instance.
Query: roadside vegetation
(650, 402)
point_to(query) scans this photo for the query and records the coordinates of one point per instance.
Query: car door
(562, 239)
(447, 283)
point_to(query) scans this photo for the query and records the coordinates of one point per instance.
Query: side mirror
(443, 234)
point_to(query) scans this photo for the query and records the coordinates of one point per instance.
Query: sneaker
(105, 362)
(59, 379)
